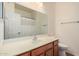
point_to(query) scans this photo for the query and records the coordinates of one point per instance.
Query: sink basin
(36, 41)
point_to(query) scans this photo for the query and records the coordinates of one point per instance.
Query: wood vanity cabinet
(46, 50)
(50, 49)
(56, 48)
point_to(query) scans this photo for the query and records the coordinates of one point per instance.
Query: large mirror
(21, 21)
(1, 8)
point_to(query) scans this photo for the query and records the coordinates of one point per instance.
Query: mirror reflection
(21, 21)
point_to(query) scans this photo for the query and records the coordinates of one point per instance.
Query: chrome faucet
(35, 38)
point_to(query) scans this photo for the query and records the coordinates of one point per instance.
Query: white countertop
(24, 44)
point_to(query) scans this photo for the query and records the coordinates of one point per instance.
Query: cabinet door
(49, 52)
(38, 52)
(24, 54)
(56, 49)
(49, 49)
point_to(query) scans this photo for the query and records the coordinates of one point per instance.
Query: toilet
(62, 49)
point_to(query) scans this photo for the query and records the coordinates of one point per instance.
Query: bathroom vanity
(26, 46)
(49, 49)
(44, 46)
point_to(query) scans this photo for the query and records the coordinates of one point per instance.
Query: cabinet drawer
(56, 42)
(49, 46)
(24, 54)
(38, 51)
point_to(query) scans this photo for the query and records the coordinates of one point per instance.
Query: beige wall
(50, 10)
(68, 33)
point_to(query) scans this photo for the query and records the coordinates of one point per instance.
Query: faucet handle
(35, 37)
